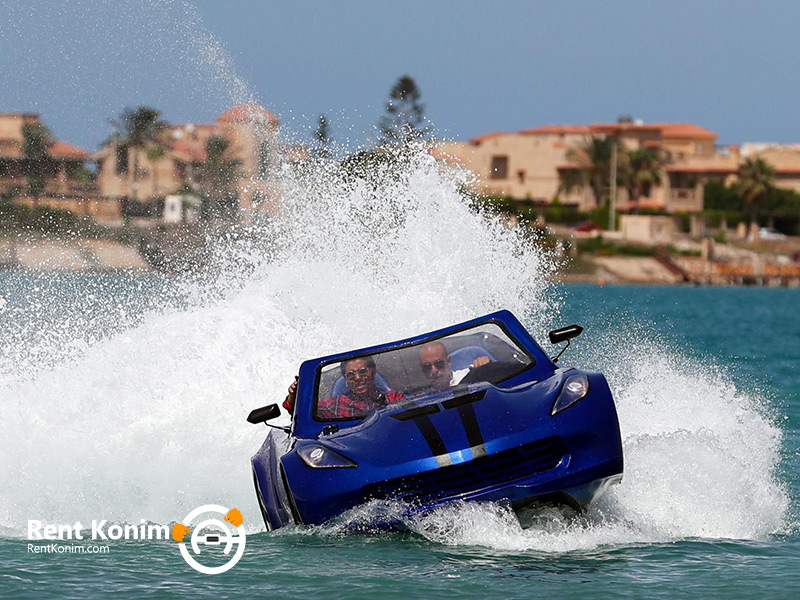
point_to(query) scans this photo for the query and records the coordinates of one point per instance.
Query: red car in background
(586, 226)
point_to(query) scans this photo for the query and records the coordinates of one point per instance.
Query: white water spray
(149, 422)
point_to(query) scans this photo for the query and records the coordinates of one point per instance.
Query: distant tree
(217, 177)
(756, 181)
(36, 143)
(322, 135)
(404, 120)
(625, 119)
(84, 175)
(592, 162)
(153, 153)
(641, 171)
(140, 130)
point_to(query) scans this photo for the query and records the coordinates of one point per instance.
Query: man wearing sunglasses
(363, 394)
(435, 364)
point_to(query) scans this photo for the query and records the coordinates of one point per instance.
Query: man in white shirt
(435, 364)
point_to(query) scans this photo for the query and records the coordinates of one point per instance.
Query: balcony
(684, 199)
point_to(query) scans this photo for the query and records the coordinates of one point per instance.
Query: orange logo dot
(234, 517)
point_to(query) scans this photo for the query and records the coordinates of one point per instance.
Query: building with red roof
(175, 160)
(557, 130)
(67, 183)
(248, 113)
(534, 164)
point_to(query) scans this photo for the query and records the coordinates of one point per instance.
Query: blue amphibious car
(476, 411)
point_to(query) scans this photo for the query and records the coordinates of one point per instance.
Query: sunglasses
(362, 372)
(427, 367)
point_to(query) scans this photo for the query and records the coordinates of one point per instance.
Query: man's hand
(288, 403)
(480, 361)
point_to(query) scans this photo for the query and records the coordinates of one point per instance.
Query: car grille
(471, 476)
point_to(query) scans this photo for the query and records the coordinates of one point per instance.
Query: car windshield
(350, 389)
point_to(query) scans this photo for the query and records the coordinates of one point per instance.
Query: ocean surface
(708, 390)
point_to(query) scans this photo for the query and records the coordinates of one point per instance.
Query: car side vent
(413, 413)
(465, 399)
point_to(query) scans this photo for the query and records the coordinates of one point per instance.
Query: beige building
(531, 164)
(784, 158)
(65, 188)
(141, 174)
(647, 229)
(173, 164)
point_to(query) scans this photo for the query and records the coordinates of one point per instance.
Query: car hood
(448, 428)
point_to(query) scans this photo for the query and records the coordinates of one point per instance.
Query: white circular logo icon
(226, 533)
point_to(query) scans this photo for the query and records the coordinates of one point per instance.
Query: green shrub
(565, 215)
(674, 250)
(714, 217)
(717, 196)
(634, 250)
(589, 245)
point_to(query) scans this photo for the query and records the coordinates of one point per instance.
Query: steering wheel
(491, 372)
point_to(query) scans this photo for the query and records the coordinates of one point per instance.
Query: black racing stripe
(415, 413)
(431, 436)
(470, 422)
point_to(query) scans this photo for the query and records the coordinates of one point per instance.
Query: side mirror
(264, 414)
(565, 334)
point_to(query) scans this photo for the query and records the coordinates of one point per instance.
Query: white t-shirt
(458, 376)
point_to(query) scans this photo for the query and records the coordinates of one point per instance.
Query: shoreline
(104, 256)
(77, 255)
(629, 270)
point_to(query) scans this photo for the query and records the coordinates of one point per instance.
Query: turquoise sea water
(698, 545)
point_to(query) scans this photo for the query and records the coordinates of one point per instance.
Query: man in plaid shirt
(364, 394)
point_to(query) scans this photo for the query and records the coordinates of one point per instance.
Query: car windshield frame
(516, 346)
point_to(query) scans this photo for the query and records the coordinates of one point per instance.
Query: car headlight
(575, 388)
(317, 456)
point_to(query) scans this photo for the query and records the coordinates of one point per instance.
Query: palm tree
(756, 180)
(138, 129)
(593, 162)
(217, 176)
(642, 170)
(153, 153)
(36, 142)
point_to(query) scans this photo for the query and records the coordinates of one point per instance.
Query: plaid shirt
(348, 407)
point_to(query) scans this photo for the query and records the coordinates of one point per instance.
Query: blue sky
(482, 66)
